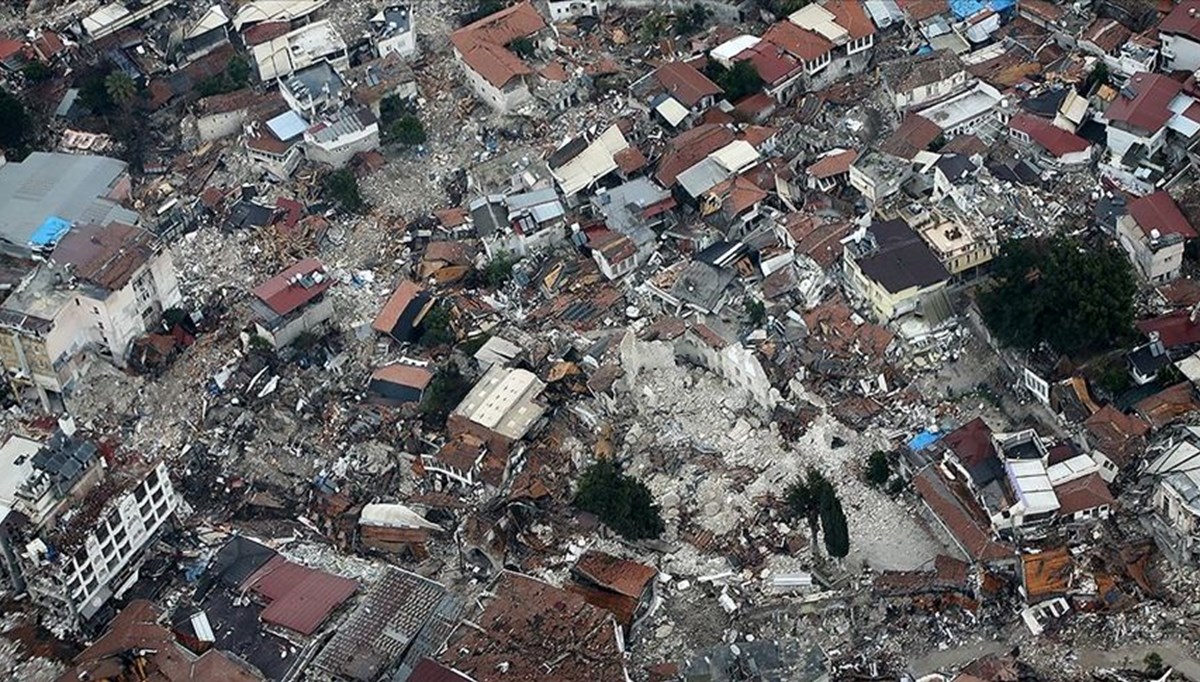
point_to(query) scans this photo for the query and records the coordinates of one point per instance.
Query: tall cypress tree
(833, 525)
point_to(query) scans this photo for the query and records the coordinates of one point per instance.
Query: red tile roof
(1148, 109)
(266, 31)
(1168, 405)
(918, 10)
(614, 573)
(850, 15)
(404, 375)
(1042, 9)
(400, 299)
(1183, 20)
(685, 83)
(298, 598)
(294, 287)
(1174, 329)
(969, 531)
(773, 64)
(482, 44)
(1048, 136)
(802, 43)
(8, 48)
(833, 164)
(689, 148)
(972, 442)
(1087, 492)
(1120, 436)
(914, 134)
(1158, 211)
(1106, 34)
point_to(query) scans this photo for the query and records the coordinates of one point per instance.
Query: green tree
(756, 312)
(235, 76)
(804, 498)
(16, 131)
(692, 20)
(654, 26)
(341, 186)
(523, 47)
(445, 391)
(833, 525)
(737, 82)
(436, 329)
(36, 72)
(1077, 299)
(878, 468)
(1154, 664)
(120, 89)
(621, 502)
(406, 130)
(499, 269)
(786, 7)
(393, 107)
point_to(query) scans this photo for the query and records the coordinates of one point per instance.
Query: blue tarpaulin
(967, 8)
(50, 231)
(923, 440)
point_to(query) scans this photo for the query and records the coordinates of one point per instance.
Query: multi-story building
(497, 74)
(892, 268)
(102, 287)
(72, 535)
(1179, 34)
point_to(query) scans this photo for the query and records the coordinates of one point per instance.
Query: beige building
(495, 72)
(102, 287)
(959, 251)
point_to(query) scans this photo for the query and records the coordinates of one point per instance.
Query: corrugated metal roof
(71, 187)
(299, 598)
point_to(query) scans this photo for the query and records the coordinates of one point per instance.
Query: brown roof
(622, 576)
(294, 287)
(1106, 34)
(1081, 494)
(914, 135)
(430, 670)
(530, 631)
(685, 83)
(953, 510)
(689, 148)
(1168, 405)
(918, 10)
(850, 15)
(137, 628)
(738, 194)
(818, 239)
(452, 217)
(972, 443)
(404, 375)
(1046, 574)
(967, 145)
(833, 164)
(297, 597)
(482, 43)
(265, 31)
(461, 452)
(105, 256)
(630, 160)
(1042, 9)
(1184, 20)
(405, 293)
(236, 100)
(799, 42)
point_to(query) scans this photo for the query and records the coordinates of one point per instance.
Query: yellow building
(895, 271)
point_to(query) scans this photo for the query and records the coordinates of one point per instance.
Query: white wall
(1185, 53)
(504, 101)
(339, 152)
(403, 44)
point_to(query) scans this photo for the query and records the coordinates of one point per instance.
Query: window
(95, 310)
